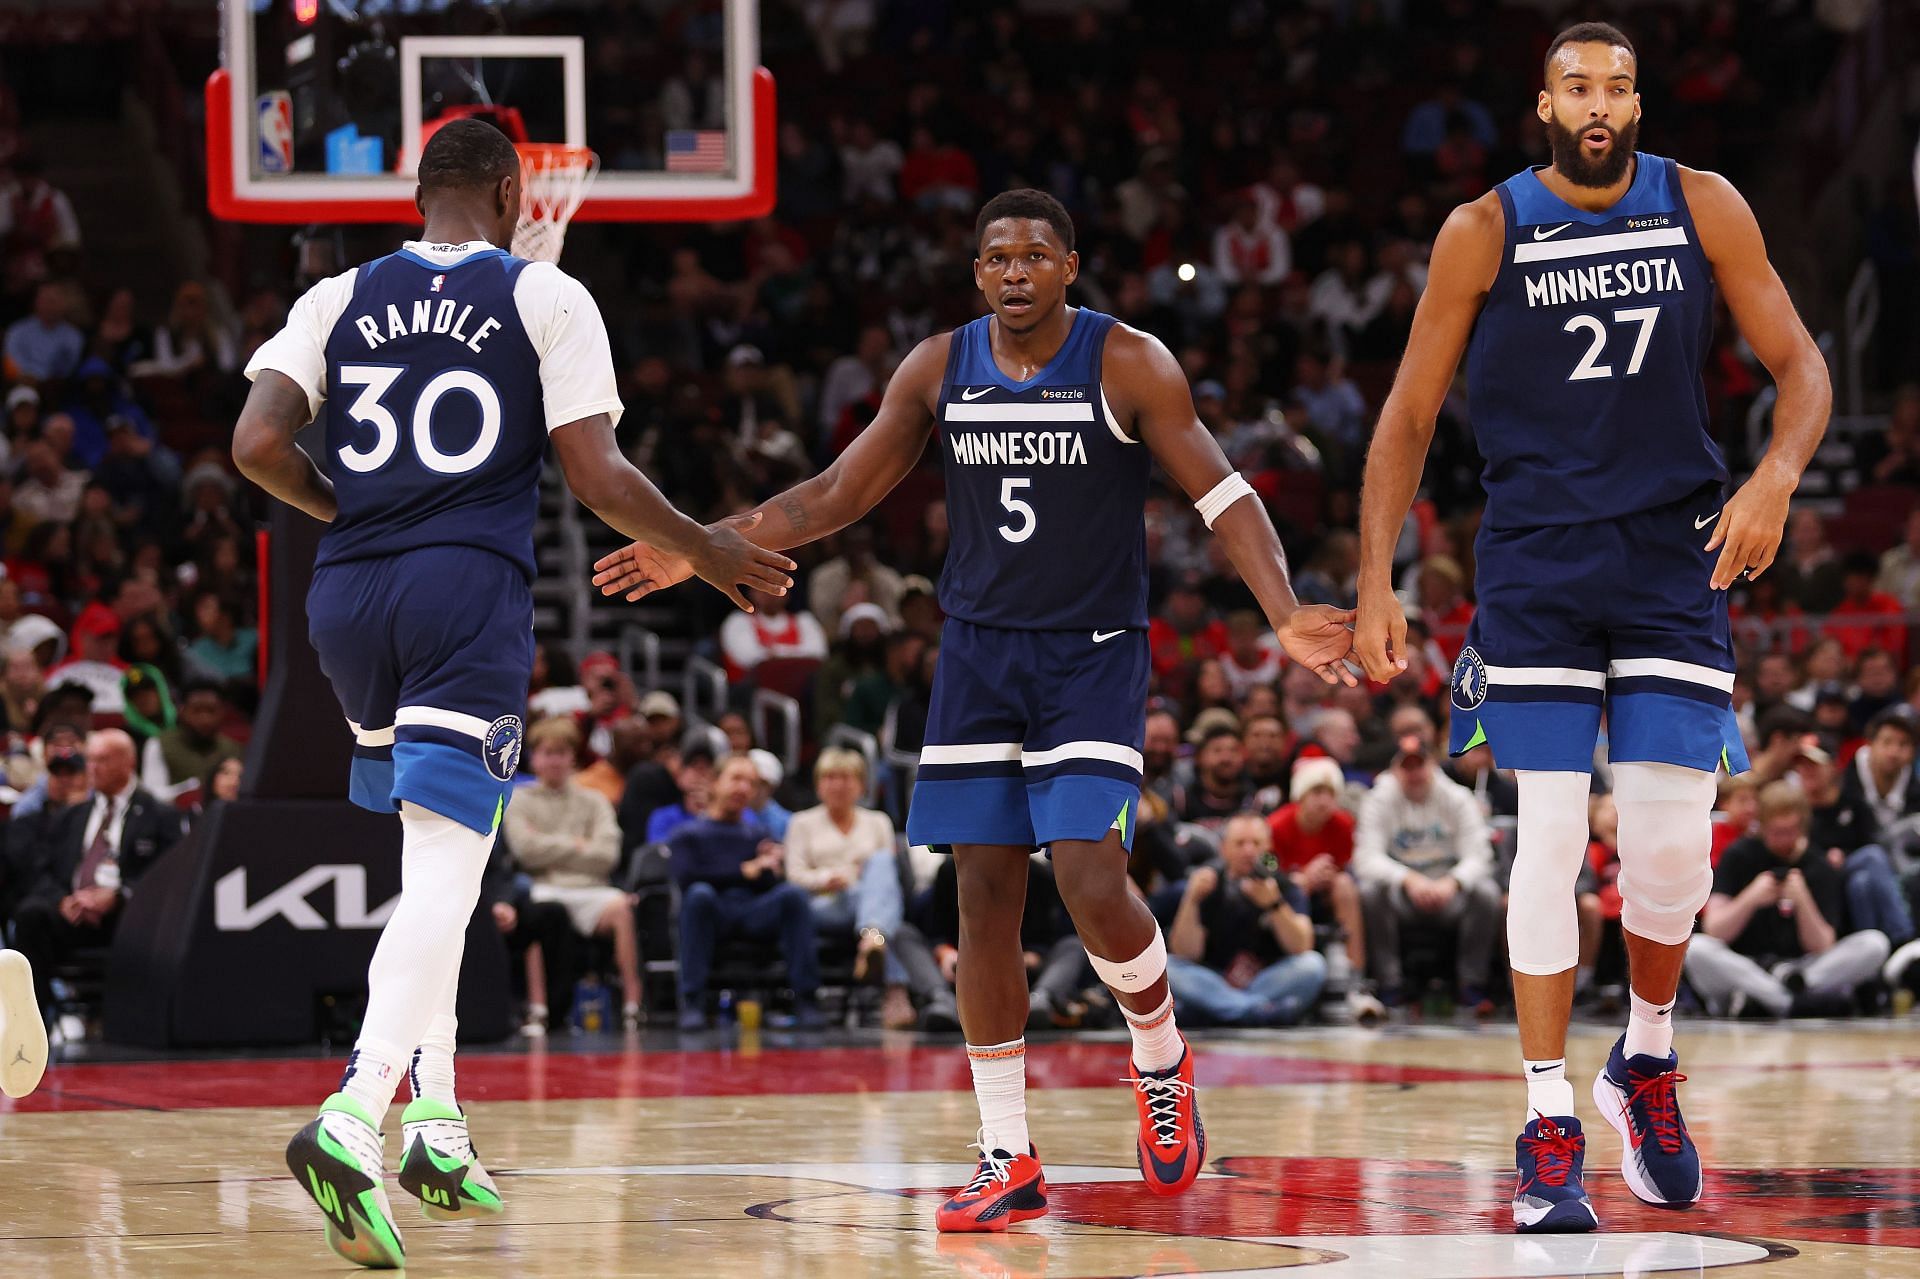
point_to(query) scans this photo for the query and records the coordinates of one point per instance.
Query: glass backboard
(320, 107)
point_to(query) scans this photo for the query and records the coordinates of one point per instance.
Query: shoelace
(448, 1137)
(1555, 1148)
(1663, 1108)
(992, 1168)
(1163, 1105)
(362, 1142)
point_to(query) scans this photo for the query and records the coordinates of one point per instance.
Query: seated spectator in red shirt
(1443, 603)
(748, 639)
(1866, 618)
(1313, 843)
(1253, 653)
(1734, 811)
(1183, 635)
(96, 658)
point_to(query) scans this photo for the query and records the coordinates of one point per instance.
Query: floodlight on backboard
(252, 175)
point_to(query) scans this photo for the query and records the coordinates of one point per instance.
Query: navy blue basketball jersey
(1046, 495)
(1583, 373)
(435, 426)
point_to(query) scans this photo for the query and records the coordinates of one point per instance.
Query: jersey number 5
(1587, 368)
(375, 380)
(1024, 530)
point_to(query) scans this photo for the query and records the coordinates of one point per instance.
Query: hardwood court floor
(1339, 1152)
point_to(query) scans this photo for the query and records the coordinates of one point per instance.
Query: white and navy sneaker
(1658, 1159)
(1548, 1197)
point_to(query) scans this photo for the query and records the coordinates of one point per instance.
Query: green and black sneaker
(337, 1159)
(439, 1167)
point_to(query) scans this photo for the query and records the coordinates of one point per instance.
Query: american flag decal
(696, 151)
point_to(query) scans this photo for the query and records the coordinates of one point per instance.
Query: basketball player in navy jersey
(1582, 294)
(442, 372)
(1051, 419)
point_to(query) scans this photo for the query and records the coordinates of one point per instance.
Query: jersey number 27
(1589, 366)
(375, 380)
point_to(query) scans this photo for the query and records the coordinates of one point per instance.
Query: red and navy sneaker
(1005, 1189)
(1659, 1161)
(1549, 1197)
(1173, 1144)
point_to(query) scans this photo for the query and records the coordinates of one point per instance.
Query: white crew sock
(1548, 1092)
(1649, 1027)
(1000, 1086)
(431, 1075)
(418, 958)
(1156, 1040)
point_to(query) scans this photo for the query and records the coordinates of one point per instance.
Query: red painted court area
(566, 1076)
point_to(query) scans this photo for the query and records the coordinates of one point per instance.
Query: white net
(554, 180)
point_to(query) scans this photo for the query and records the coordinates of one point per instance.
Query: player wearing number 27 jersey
(1582, 294)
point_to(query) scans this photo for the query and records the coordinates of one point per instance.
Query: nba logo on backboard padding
(275, 110)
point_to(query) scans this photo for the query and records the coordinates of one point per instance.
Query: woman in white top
(843, 855)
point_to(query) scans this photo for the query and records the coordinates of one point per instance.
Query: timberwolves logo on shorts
(1469, 680)
(502, 747)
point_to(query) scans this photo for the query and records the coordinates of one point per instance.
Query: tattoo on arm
(796, 512)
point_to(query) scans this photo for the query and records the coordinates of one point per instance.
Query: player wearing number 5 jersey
(1582, 295)
(441, 373)
(1049, 419)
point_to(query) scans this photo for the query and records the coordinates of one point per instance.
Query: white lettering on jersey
(427, 318)
(1605, 280)
(1019, 448)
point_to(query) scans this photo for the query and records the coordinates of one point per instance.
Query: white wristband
(1223, 495)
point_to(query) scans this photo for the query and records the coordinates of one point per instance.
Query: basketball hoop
(553, 181)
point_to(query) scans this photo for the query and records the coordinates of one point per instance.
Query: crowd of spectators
(1259, 185)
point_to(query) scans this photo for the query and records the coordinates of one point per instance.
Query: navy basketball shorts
(1616, 615)
(1033, 736)
(430, 652)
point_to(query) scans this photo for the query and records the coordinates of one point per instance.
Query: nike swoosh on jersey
(970, 394)
(1101, 637)
(1547, 233)
(1703, 521)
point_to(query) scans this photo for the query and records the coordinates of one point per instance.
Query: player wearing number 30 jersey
(442, 372)
(1582, 295)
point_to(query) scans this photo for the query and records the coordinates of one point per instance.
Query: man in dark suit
(96, 854)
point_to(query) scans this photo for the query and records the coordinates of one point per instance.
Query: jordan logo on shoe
(19, 1055)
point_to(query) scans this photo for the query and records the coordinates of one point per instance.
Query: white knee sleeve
(1138, 973)
(1666, 839)
(1543, 929)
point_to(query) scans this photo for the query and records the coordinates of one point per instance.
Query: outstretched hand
(726, 561)
(1319, 637)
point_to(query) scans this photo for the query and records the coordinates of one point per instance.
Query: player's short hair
(466, 154)
(557, 731)
(1025, 203)
(1588, 33)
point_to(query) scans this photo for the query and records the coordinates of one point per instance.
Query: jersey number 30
(375, 380)
(1589, 367)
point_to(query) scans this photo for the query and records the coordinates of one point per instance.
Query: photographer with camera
(1772, 926)
(1241, 946)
